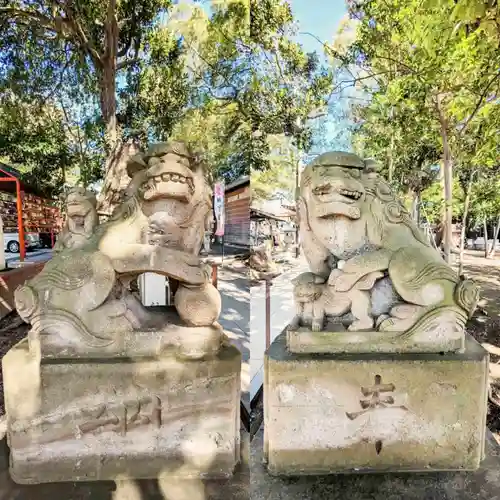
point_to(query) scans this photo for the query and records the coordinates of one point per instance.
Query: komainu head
(168, 171)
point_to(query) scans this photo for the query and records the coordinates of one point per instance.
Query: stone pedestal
(97, 419)
(374, 412)
(483, 484)
(338, 340)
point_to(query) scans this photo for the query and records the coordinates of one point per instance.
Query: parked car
(11, 242)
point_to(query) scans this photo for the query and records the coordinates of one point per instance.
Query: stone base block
(338, 339)
(341, 413)
(483, 484)
(103, 419)
(166, 334)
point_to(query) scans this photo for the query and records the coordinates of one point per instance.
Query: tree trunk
(108, 75)
(448, 179)
(391, 161)
(496, 231)
(485, 231)
(63, 176)
(464, 224)
(297, 247)
(108, 102)
(116, 178)
(415, 203)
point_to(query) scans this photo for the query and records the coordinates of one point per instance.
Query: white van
(11, 242)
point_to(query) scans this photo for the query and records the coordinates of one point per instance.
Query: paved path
(235, 317)
(282, 311)
(487, 273)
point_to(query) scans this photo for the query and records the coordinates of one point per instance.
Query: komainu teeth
(165, 177)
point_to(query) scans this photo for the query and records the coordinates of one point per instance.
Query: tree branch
(127, 62)
(131, 38)
(13, 13)
(479, 102)
(60, 82)
(61, 26)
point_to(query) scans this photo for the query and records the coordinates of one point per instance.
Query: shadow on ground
(488, 276)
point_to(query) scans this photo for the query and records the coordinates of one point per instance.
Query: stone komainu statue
(82, 295)
(367, 252)
(81, 219)
(110, 388)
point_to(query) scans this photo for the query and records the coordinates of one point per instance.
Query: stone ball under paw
(198, 306)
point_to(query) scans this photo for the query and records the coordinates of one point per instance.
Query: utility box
(154, 289)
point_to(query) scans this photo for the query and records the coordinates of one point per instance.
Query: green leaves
(33, 139)
(422, 52)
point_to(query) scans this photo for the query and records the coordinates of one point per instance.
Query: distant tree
(438, 61)
(278, 181)
(34, 140)
(49, 47)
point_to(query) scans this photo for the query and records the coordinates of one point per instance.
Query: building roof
(240, 181)
(285, 212)
(257, 213)
(7, 171)
(274, 208)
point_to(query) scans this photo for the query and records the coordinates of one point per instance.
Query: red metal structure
(19, 204)
(30, 212)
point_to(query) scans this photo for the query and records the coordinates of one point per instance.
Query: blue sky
(319, 17)
(322, 19)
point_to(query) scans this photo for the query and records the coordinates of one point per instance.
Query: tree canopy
(223, 76)
(431, 70)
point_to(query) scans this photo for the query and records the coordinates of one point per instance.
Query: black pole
(222, 248)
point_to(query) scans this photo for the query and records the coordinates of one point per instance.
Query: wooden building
(237, 212)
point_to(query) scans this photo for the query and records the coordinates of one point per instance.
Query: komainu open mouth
(172, 178)
(326, 192)
(168, 185)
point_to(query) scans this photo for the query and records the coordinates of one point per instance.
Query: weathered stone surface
(169, 335)
(125, 488)
(337, 339)
(483, 484)
(11, 280)
(371, 266)
(97, 419)
(82, 297)
(374, 412)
